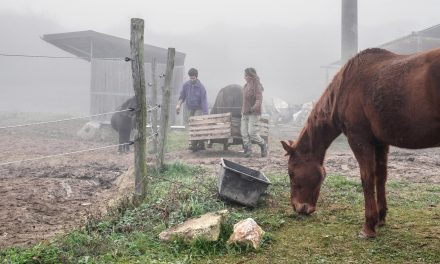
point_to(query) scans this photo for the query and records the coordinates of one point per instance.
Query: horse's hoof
(363, 234)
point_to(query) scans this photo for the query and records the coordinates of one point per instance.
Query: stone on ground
(247, 232)
(206, 227)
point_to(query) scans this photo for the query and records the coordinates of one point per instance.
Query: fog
(288, 42)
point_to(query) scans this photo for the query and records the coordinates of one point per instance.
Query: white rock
(206, 226)
(247, 232)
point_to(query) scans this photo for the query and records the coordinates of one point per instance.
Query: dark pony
(229, 100)
(377, 99)
(123, 122)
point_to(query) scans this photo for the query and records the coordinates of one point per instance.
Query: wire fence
(73, 152)
(153, 130)
(62, 57)
(76, 118)
(66, 119)
(153, 134)
(64, 154)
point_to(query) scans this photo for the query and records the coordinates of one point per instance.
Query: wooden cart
(221, 128)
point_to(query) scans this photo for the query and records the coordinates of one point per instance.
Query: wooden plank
(203, 137)
(220, 134)
(212, 132)
(210, 127)
(214, 116)
(209, 121)
(205, 117)
(212, 136)
(208, 136)
(196, 137)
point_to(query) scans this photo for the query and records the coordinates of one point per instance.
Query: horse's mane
(129, 103)
(325, 108)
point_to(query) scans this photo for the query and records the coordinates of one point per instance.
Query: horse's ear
(288, 147)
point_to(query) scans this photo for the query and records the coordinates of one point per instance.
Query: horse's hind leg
(381, 178)
(121, 141)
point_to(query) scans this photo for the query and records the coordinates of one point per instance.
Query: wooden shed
(111, 80)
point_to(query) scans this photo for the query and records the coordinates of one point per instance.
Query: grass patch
(176, 141)
(130, 235)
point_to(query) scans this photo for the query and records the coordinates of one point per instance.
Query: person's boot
(263, 147)
(247, 151)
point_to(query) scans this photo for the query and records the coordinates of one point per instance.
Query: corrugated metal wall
(112, 84)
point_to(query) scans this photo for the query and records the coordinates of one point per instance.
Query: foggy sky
(286, 41)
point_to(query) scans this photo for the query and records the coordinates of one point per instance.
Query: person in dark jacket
(251, 112)
(194, 95)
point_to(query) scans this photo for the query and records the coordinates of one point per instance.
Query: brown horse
(377, 99)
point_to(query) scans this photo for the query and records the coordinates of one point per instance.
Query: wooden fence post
(137, 69)
(154, 113)
(165, 106)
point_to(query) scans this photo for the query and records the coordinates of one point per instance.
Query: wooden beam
(165, 106)
(137, 69)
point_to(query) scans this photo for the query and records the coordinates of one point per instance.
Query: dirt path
(39, 199)
(410, 165)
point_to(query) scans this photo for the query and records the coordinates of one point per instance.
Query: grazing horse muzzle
(304, 209)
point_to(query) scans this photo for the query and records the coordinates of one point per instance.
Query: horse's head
(306, 176)
(131, 104)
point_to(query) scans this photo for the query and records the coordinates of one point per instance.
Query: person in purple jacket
(194, 95)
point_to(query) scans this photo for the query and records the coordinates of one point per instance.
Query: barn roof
(422, 40)
(80, 44)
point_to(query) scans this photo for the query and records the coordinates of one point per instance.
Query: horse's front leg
(365, 155)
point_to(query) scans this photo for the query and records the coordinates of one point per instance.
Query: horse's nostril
(301, 209)
(304, 209)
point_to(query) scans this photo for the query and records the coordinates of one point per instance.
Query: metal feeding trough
(240, 184)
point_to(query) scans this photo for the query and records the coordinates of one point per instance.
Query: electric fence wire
(61, 57)
(73, 152)
(67, 119)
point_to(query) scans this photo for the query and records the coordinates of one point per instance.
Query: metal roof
(422, 40)
(90, 43)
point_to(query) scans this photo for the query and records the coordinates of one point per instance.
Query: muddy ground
(43, 197)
